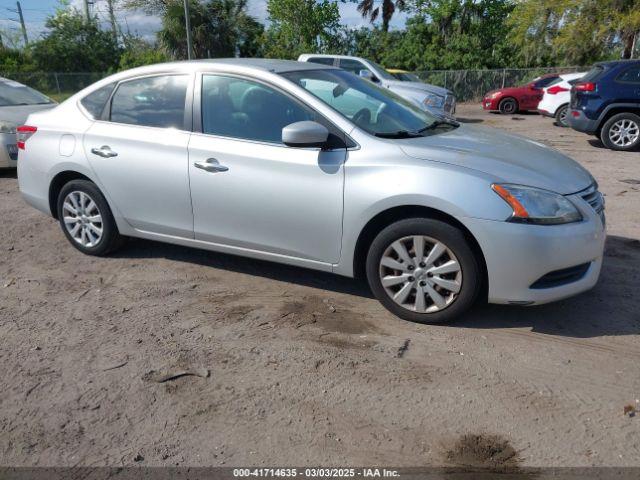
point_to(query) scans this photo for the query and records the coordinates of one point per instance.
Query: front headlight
(433, 100)
(537, 206)
(7, 127)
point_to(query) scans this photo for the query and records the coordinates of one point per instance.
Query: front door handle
(211, 165)
(104, 151)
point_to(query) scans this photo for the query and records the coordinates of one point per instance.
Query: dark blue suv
(606, 103)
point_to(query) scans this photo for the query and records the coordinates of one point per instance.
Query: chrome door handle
(104, 151)
(211, 165)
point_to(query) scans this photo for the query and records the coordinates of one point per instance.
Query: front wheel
(423, 270)
(508, 106)
(86, 219)
(621, 132)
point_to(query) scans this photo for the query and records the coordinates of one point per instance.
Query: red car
(513, 99)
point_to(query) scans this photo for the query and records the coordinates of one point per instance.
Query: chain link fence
(58, 86)
(467, 85)
(471, 85)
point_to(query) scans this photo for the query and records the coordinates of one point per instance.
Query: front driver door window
(265, 197)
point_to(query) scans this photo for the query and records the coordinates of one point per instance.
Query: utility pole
(86, 10)
(187, 22)
(24, 29)
(112, 19)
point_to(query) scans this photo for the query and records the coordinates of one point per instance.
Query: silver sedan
(309, 165)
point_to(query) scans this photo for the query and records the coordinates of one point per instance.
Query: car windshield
(14, 93)
(406, 76)
(376, 110)
(381, 71)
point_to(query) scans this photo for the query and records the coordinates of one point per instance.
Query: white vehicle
(428, 97)
(17, 101)
(556, 97)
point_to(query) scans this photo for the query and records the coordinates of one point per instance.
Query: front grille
(558, 278)
(594, 198)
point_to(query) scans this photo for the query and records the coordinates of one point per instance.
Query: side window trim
(188, 104)
(197, 109)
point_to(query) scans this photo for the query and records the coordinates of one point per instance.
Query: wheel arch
(394, 214)
(566, 104)
(59, 181)
(615, 109)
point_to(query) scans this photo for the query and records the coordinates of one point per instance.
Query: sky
(35, 13)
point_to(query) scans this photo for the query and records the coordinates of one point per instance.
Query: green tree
(138, 52)
(574, 32)
(219, 28)
(302, 26)
(385, 10)
(74, 45)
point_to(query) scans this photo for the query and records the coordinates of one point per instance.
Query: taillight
(556, 89)
(24, 132)
(585, 87)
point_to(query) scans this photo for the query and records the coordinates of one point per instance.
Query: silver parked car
(434, 99)
(312, 166)
(17, 101)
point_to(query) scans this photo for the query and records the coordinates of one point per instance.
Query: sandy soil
(296, 367)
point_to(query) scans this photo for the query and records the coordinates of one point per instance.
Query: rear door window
(544, 82)
(157, 101)
(353, 66)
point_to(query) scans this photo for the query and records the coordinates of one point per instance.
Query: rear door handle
(104, 151)
(211, 165)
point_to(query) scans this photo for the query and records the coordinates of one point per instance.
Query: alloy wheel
(82, 218)
(624, 133)
(421, 274)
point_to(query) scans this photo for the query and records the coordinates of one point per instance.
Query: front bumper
(8, 150)
(580, 122)
(490, 104)
(519, 255)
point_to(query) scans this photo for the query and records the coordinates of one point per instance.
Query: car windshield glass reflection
(374, 109)
(14, 93)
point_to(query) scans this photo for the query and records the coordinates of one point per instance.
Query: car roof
(326, 55)
(267, 64)
(613, 63)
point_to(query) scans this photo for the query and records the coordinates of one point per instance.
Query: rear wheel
(508, 106)
(86, 219)
(423, 270)
(561, 116)
(621, 132)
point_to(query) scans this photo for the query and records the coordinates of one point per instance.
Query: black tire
(111, 238)
(561, 116)
(606, 131)
(508, 106)
(454, 239)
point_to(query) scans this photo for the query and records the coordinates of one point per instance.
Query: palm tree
(368, 9)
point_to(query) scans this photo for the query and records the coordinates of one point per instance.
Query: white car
(556, 97)
(433, 99)
(17, 102)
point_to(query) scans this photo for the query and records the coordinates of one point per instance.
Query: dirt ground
(295, 367)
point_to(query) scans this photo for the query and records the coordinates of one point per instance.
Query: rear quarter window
(630, 75)
(94, 102)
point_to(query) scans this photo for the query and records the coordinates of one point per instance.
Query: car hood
(418, 86)
(506, 91)
(507, 157)
(18, 114)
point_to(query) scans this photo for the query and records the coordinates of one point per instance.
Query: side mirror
(367, 75)
(305, 134)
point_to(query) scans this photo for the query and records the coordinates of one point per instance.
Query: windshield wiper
(398, 134)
